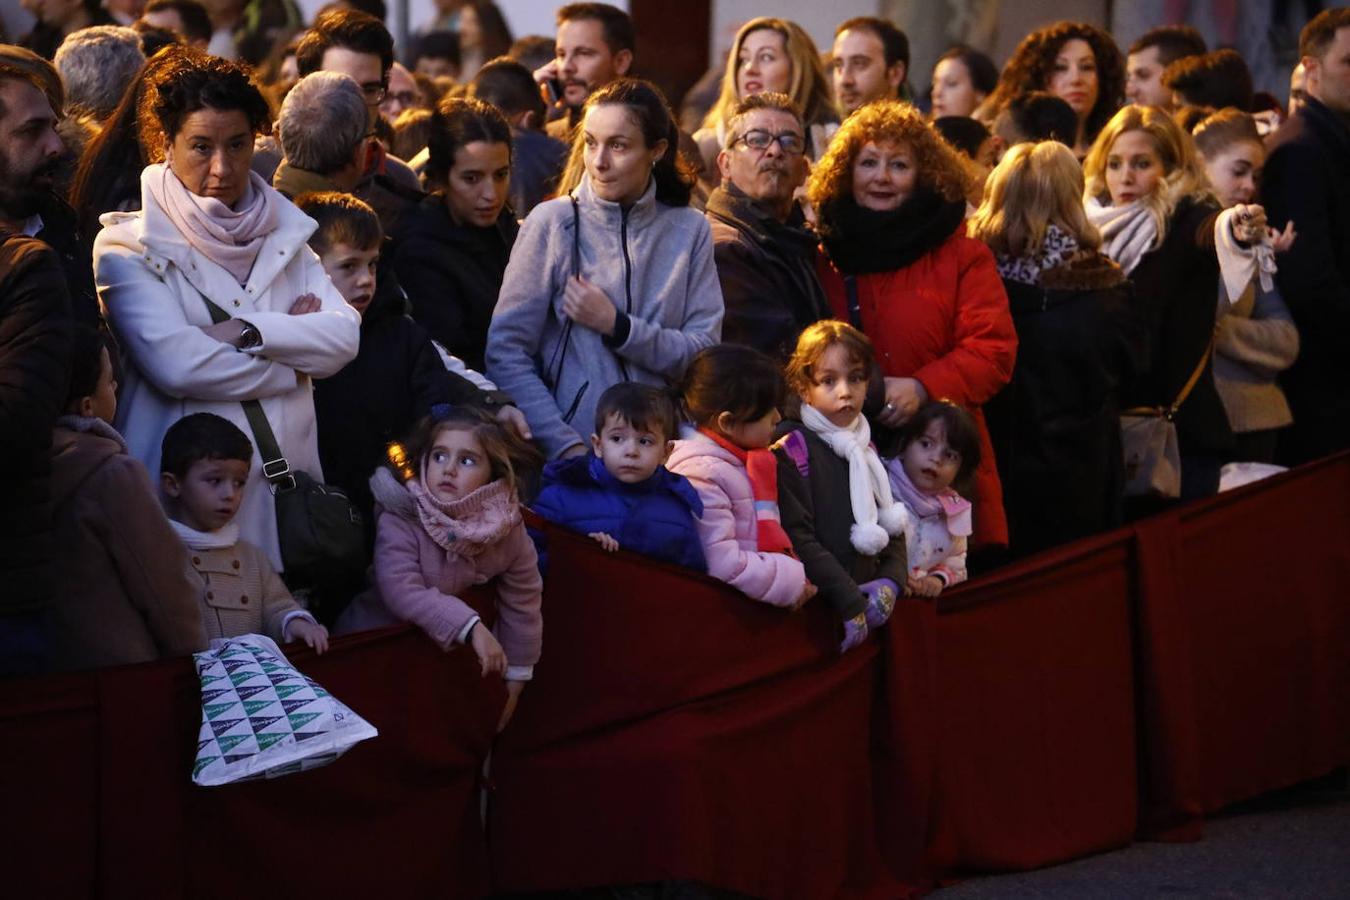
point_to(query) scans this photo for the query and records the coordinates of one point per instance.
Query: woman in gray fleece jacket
(613, 281)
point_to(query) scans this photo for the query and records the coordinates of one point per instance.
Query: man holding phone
(594, 47)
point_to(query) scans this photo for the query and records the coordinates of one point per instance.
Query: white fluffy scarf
(876, 515)
(219, 539)
(1128, 232)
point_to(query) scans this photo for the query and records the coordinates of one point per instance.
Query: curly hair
(820, 337)
(941, 167)
(1033, 63)
(185, 80)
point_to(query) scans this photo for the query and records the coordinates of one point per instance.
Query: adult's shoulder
(121, 233)
(20, 254)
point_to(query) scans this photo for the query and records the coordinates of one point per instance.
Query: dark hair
(9, 72)
(459, 121)
(1318, 34)
(1188, 118)
(963, 435)
(1041, 116)
(616, 24)
(983, 72)
(86, 361)
(1173, 42)
(436, 45)
(894, 42)
(196, 21)
(347, 28)
(25, 65)
(1033, 62)
(511, 457)
(201, 436)
(533, 50)
(154, 38)
(496, 34)
(734, 379)
(648, 110)
(375, 8)
(342, 218)
(640, 405)
(412, 131)
(509, 86)
(963, 133)
(1217, 80)
(770, 100)
(190, 80)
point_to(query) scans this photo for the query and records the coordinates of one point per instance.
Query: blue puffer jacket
(654, 517)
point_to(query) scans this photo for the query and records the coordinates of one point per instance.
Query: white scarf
(219, 539)
(876, 515)
(1239, 264)
(1128, 232)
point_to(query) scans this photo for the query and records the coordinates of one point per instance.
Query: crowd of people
(816, 334)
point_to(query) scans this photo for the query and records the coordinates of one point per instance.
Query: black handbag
(320, 530)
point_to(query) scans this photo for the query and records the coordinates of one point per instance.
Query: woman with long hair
(962, 79)
(1056, 426)
(1077, 62)
(483, 35)
(611, 281)
(770, 55)
(890, 196)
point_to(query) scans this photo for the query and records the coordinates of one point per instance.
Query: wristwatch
(249, 337)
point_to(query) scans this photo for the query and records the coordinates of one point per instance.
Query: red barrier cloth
(676, 729)
(1036, 732)
(1261, 652)
(100, 764)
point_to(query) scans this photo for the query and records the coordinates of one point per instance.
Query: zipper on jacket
(627, 282)
(576, 401)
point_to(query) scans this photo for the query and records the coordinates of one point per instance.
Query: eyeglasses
(404, 98)
(790, 142)
(374, 91)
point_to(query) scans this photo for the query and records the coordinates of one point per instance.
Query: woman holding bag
(212, 233)
(611, 281)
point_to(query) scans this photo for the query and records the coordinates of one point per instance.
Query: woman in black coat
(450, 251)
(1056, 426)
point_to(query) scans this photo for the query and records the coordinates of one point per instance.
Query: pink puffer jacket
(729, 528)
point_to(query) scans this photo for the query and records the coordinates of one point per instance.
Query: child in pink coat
(448, 523)
(732, 394)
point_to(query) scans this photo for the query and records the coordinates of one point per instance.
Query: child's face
(755, 434)
(102, 403)
(208, 496)
(456, 466)
(352, 271)
(629, 453)
(838, 386)
(929, 462)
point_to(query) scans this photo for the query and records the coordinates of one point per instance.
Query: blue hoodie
(653, 517)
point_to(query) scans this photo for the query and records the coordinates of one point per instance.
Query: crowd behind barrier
(1095, 694)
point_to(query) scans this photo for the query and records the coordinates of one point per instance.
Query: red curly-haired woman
(890, 197)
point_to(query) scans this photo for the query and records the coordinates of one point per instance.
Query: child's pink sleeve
(773, 578)
(520, 620)
(403, 588)
(952, 570)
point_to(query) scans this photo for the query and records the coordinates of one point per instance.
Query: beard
(24, 193)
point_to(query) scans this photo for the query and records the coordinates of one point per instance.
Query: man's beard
(21, 195)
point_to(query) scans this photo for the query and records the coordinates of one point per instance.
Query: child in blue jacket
(623, 495)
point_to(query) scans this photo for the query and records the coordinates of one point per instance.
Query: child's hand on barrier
(490, 653)
(604, 540)
(312, 633)
(925, 586)
(807, 593)
(513, 689)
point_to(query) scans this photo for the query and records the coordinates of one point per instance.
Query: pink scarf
(230, 238)
(471, 524)
(954, 508)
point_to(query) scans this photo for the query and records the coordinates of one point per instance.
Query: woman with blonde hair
(1146, 192)
(890, 196)
(770, 55)
(1056, 426)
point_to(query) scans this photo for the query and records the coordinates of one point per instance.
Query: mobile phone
(553, 89)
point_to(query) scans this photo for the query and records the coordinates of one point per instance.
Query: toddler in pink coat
(448, 519)
(732, 393)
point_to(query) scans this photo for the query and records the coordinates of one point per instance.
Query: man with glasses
(764, 251)
(359, 46)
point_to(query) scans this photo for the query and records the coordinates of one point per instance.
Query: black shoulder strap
(275, 468)
(854, 307)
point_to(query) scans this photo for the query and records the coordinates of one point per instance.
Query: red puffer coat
(943, 320)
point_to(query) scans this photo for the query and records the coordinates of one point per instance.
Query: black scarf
(730, 204)
(861, 241)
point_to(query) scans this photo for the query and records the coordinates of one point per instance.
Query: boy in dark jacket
(623, 495)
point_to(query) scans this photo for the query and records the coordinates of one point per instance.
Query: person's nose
(774, 149)
(751, 66)
(366, 280)
(220, 165)
(568, 69)
(601, 158)
(630, 449)
(53, 146)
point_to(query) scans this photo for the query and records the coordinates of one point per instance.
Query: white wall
(818, 18)
(524, 16)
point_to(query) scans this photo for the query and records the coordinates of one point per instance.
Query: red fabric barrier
(100, 763)
(1256, 661)
(676, 729)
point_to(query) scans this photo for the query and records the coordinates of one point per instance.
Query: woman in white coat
(209, 228)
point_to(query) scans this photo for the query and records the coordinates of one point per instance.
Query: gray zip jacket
(654, 262)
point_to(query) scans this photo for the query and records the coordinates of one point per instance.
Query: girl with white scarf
(834, 493)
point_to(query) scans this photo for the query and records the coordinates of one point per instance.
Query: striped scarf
(762, 468)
